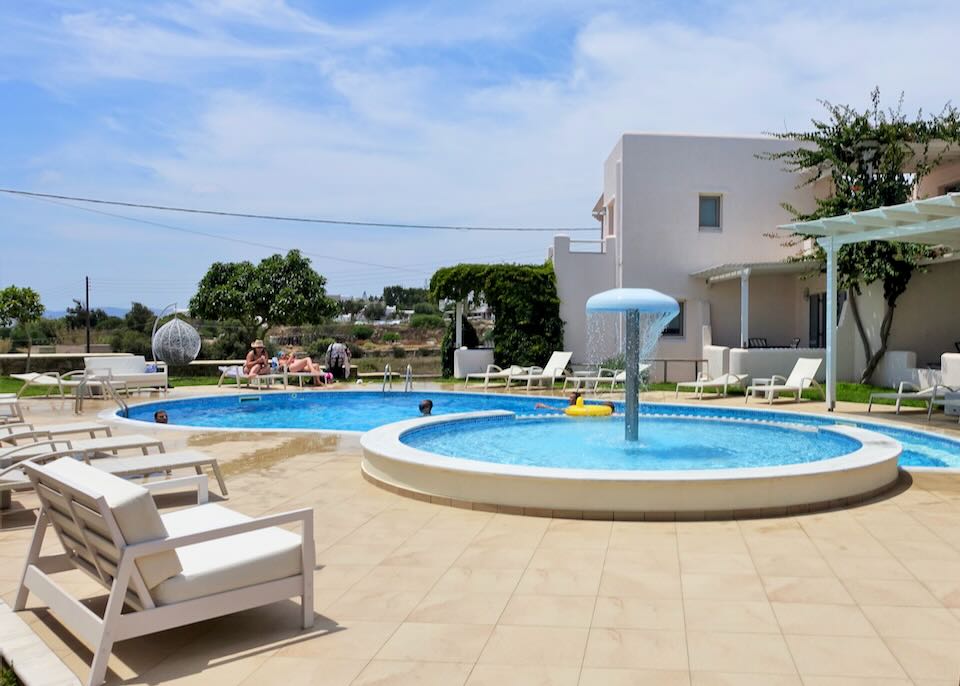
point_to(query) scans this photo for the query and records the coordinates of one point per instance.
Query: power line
(217, 236)
(287, 218)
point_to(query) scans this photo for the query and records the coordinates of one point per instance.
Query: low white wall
(765, 362)
(950, 368)
(471, 361)
(896, 366)
(717, 359)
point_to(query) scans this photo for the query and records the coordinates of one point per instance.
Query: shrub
(391, 337)
(356, 351)
(317, 348)
(426, 321)
(362, 332)
(129, 341)
(399, 352)
(425, 308)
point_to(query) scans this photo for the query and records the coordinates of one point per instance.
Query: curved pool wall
(353, 412)
(866, 472)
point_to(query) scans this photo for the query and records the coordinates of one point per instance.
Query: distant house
(696, 217)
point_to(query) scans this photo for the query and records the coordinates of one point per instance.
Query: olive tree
(872, 158)
(22, 305)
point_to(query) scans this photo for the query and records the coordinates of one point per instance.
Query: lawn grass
(846, 392)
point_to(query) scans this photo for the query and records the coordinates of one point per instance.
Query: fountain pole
(632, 369)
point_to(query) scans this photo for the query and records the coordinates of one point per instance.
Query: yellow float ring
(583, 410)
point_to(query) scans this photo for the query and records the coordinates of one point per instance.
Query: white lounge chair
(614, 376)
(15, 433)
(496, 373)
(909, 391)
(50, 381)
(169, 570)
(719, 385)
(236, 372)
(86, 448)
(141, 466)
(10, 410)
(800, 379)
(553, 370)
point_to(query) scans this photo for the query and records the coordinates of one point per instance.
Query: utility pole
(87, 282)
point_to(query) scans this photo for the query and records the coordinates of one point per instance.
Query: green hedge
(524, 302)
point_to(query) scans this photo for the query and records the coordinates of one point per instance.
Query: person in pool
(160, 417)
(257, 360)
(426, 407)
(573, 397)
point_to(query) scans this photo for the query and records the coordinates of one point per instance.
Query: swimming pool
(360, 411)
(665, 443)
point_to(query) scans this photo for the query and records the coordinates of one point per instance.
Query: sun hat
(257, 344)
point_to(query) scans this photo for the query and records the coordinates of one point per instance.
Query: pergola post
(831, 392)
(458, 326)
(745, 308)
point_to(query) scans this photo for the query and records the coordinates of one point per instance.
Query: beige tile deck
(415, 593)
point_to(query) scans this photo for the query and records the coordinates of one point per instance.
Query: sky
(468, 113)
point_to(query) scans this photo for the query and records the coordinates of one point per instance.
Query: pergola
(933, 221)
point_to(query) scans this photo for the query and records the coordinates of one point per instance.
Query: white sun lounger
(169, 570)
(800, 379)
(909, 391)
(13, 433)
(86, 448)
(10, 410)
(50, 381)
(614, 376)
(496, 373)
(258, 380)
(720, 385)
(553, 370)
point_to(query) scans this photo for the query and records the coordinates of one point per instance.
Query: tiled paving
(414, 593)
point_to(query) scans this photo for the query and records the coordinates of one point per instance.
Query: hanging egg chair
(176, 342)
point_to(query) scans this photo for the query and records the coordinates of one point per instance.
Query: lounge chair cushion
(225, 564)
(133, 508)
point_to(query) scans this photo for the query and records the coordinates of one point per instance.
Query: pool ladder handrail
(104, 382)
(387, 378)
(408, 379)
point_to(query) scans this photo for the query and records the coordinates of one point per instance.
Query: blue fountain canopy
(633, 299)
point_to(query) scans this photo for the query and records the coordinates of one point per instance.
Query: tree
(352, 306)
(23, 306)
(873, 158)
(76, 316)
(524, 302)
(375, 311)
(139, 318)
(404, 298)
(279, 291)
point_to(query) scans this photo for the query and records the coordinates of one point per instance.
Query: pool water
(665, 443)
(364, 410)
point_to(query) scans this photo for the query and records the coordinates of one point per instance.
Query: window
(709, 212)
(675, 326)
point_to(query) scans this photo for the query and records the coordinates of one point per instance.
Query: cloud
(488, 113)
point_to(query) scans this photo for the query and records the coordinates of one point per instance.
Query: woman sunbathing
(303, 364)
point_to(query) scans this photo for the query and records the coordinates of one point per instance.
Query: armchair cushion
(133, 509)
(225, 564)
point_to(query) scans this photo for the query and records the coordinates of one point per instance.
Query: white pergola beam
(904, 232)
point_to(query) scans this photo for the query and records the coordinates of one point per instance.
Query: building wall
(580, 275)
(777, 310)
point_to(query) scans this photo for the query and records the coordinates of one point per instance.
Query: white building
(696, 217)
